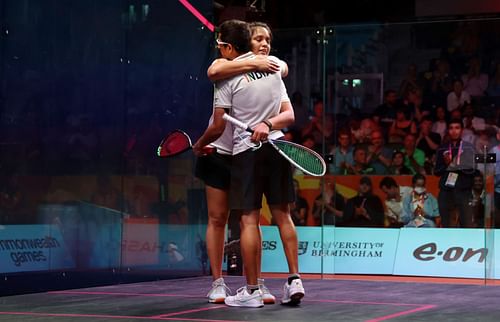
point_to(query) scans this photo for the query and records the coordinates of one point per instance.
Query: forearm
(285, 118)
(223, 69)
(211, 134)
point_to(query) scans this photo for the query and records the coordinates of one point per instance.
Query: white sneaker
(244, 299)
(293, 293)
(267, 297)
(219, 291)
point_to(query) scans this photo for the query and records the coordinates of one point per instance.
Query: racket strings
(304, 158)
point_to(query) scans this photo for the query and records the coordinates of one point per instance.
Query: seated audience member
(362, 131)
(471, 121)
(342, 154)
(393, 201)
(360, 165)
(402, 126)
(320, 126)
(379, 156)
(420, 208)
(440, 125)
(300, 208)
(428, 142)
(414, 158)
(385, 114)
(475, 82)
(397, 166)
(441, 83)
(457, 97)
(409, 82)
(478, 205)
(329, 205)
(365, 209)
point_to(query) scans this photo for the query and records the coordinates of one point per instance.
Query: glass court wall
(89, 89)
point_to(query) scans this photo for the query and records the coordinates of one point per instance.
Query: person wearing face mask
(420, 207)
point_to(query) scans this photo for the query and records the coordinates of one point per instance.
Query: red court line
(396, 315)
(214, 307)
(122, 294)
(198, 15)
(364, 302)
(66, 315)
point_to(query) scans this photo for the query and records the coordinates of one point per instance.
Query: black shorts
(214, 170)
(260, 172)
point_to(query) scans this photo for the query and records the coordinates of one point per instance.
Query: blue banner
(441, 252)
(26, 248)
(333, 250)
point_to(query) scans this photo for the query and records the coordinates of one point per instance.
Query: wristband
(269, 124)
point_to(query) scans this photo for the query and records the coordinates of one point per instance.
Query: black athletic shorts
(214, 170)
(260, 172)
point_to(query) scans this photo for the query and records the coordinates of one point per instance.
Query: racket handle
(236, 122)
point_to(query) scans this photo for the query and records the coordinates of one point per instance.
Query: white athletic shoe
(293, 293)
(219, 291)
(267, 297)
(244, 299)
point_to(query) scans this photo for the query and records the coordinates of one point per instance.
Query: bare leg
(250, 244)
(288, 234)
(218, 213)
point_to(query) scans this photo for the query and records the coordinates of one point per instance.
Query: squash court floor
(325, 300)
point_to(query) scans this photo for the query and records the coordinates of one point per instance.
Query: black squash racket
(177, 142)
(305, 159)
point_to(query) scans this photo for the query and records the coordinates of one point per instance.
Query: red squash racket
(177, 142)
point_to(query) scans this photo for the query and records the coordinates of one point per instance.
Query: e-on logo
(427, 251)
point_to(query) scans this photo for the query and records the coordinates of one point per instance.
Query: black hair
(388, 182)
(258, 24)
(417, 177)
(456, 121)
(236, 33)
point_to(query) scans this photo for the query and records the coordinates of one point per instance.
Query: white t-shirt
(251, 98)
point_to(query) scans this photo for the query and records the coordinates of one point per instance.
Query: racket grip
(236, 122)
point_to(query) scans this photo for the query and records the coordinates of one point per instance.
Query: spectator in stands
(320, 126)
(329, 205)
(342, 154)
(455, 166)
(393, 201)
(420, 208)
(471, 121)
(360, 165)
(441, 83)
(365, 209)
(475, 82)
(409, 82)
(299, 208)
(414, 107)
(379, 156)
(414, 157)
(385, 114)
(402, 126)
(458, 96)
(440, 122)
(428, 142)
(362, 131)
(397, 166)
(301, 110)
(478, 205)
